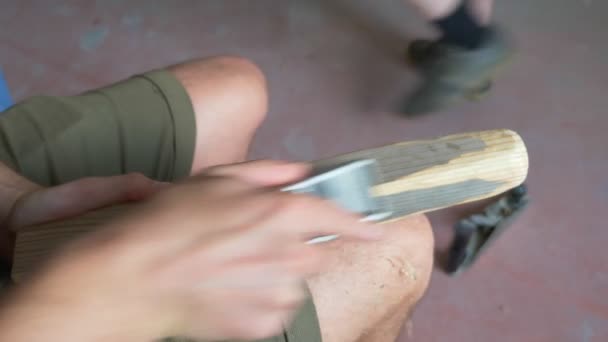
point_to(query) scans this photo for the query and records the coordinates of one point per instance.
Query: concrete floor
(337, 78)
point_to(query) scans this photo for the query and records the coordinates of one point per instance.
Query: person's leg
(461, 23)
(368, 290)
(465, 58)
(483, 10)
(436, 9)
(229, 99)
(163, 124)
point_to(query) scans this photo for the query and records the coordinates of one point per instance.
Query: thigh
(230, 101)
(367, 285)
(144, 124)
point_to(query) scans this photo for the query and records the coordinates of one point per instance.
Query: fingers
(329, 219)
(310, 217)
(263, 172)
(241, 261)
(207, 206)
(247, 221)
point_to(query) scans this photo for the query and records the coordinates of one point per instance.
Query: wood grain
(416, 177)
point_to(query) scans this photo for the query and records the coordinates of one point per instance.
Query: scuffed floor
(337, 77)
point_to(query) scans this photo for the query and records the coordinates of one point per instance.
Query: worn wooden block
(416, 177)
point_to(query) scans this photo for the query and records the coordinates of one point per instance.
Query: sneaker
(452, 73)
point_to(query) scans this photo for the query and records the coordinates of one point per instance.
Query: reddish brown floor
(337, 77)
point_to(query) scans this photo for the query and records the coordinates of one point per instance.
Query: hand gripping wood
(416, 177)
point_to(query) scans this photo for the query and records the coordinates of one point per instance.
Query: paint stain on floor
(93, 38)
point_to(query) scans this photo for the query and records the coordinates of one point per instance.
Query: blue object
(5, 96)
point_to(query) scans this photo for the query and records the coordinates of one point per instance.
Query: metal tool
(349, 186)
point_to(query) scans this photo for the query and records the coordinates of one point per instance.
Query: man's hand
(222, 256)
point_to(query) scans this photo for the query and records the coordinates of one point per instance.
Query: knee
(407, 258)
(243, 85)
(225, 84)
(373, 283)
(242, 81)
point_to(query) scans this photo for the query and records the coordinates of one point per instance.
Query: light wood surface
(416, 177)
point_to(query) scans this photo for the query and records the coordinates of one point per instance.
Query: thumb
(263, 172)
(80, 196)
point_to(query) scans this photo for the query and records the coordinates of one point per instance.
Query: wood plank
(416, 177)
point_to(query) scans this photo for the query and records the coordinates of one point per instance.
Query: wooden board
(416, 177)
